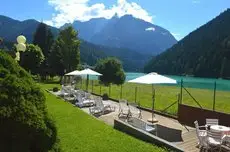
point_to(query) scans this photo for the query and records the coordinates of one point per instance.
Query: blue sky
(180, 17)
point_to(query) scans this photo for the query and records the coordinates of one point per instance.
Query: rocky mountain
(126, 32)
(205, 52)
(88, 29)
(90, 53)
(10, 28)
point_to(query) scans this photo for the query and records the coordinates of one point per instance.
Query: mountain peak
(115, 15)
(128, 16)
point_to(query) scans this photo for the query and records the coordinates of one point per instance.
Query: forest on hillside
(205, 52)
(91, 53)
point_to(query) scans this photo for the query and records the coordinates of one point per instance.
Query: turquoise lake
(192, 82)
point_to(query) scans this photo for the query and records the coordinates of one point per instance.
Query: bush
(36, 78)
(55, 89)
(105, 96)
(25, 123)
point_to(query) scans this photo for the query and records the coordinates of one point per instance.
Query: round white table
(219, 128)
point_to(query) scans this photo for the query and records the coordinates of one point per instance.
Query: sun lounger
(134, 111)
(81, 102)
(64, 91)
(99, 107)
(123, 109)
(141, 124)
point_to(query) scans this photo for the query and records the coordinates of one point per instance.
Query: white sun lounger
(99, 107)
(141, 124)
(134, 111)
(81, 102)
(123, 109)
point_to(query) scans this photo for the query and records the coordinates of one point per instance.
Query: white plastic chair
(201, 134)
(210, 122)
(226, 141)
(214, 140)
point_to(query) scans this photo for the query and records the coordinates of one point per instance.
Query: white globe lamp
(21, 47)
(21, 39)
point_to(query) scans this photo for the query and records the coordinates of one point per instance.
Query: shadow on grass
(49, 82)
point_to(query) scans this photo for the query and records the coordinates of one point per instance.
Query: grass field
(79, 131)
(165, 96)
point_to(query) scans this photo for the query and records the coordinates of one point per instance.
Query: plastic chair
(201, 134)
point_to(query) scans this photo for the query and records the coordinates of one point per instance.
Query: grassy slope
(166, 95)
(80, 132)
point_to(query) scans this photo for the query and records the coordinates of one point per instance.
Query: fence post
(100, 89)
(214, 97)
(92, 86)
(136, 95)
(181, 91)
(178, 104)
(109, 89)
(121, 93)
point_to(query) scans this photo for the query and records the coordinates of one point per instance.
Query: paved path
(188, 134)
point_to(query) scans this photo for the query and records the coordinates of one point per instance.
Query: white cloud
(150, 29)
(195, 1)
(69, 10)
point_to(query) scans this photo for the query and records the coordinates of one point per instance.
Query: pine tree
(44, 38)
(65, 55)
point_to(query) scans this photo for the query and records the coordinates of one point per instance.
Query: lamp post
(21, 46)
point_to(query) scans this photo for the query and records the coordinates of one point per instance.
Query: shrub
(105, 96)
(36, 78)
(25, 123)
(32, 58)
(55, 89)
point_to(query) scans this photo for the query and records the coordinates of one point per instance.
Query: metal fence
(207, 95)
(212, 95)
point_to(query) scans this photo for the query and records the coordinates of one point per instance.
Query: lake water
(193, 82)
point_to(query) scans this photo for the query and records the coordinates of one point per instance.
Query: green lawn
(165, 96)
(79, 131)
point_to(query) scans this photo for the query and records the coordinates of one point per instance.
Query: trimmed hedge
(24, 122)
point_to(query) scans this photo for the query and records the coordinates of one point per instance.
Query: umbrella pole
(153, 120)
(153, 98)
(81, 83)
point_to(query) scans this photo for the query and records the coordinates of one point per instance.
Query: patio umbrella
(88, 72)
(153, 78)
(73, 73)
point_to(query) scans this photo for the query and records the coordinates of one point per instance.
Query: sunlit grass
(80, 132)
